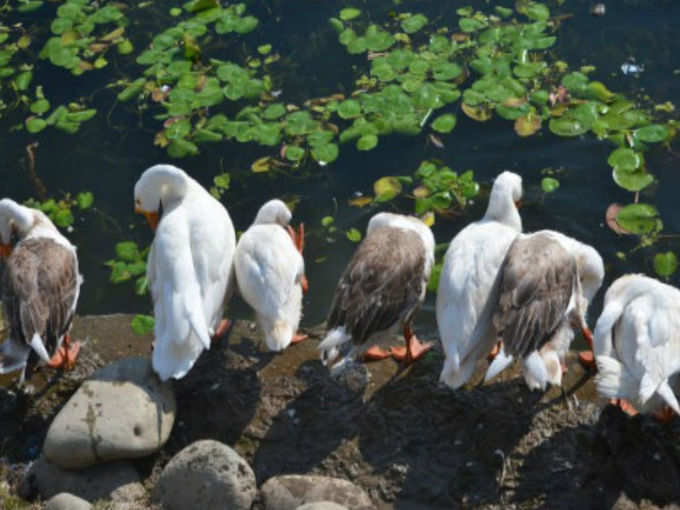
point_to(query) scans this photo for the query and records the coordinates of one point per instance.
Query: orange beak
(152, 218)
(304, 284)
(297, 237)
(5, 250)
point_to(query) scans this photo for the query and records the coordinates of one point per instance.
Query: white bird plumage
(552, 280)
(468, 286)
(269, 271)
(189, 266)
(41, 285)
(637, 343)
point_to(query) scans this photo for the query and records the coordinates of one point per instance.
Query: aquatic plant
(129, 264)
(60, 211)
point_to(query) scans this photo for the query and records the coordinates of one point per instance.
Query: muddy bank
(409, 443)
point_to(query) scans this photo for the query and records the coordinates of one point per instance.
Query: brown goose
(39, 288)
(380, 290)
(547, 283)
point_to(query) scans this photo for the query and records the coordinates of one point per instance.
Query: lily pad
(349, 13)
(326, 153)
(142, 324)
(528, 124)
(653, 133)
(35, 124)
(367, 142)
(632, 181)
(549, 184)
(640, 219)
(665, 264)
(625, 159)
(413, 23)
(354, 235)
(349, 109)
(294, 153)
(386, 188)
(444, 123)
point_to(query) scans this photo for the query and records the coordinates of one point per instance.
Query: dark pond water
(109, 152)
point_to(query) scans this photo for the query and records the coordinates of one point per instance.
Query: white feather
(637, 343)
(499, 363)
(469, 285)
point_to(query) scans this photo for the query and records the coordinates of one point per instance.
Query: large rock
(288, 492)
(207, 475)
(66, 501)
(122, 412)
(117, 481)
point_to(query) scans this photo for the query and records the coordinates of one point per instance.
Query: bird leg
(624, 405)
(375, 353)
(414, 348)
(222, 329)
(664, 415)
(66, 355)
(298, 337)
(587, 358)
(494, 351)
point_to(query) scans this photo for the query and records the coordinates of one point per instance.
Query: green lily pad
(549, 184)
(386, 188)
(326, 153)
(567, 126)
(142, 324)
(413, 23)
(40, 106)
(180, 148)
(349, 109)
(470, 24)
(528, 124)
(446, 71)
(632, 181)
(349, 13)
(354, 235)
(132, 90)
(125, 47)
(35, 124)
(84, 200)
(294, 153)
(367, 142)
(665, 264)
(653, 133)
(274, 111)
(127, 251)
(444, 123)
(575, 82)
(625, 159)
(640, 219)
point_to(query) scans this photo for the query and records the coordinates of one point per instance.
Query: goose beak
(5, 250)
(152, 217)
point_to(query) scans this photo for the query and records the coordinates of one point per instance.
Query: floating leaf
(349, 109)
(327, 221)
(640, 219)
(349, 13)
(262, 165)
(479, 113)
(386, 188)
(625, 159)
(528, 124)
(40, 106)
(567, 126)
(142, 324)
(35, 124)
(632, 181)
(653, 133)
(132, 90)
(444, 123)
(354, 235)
(222, 180)
(665, 264)
(127, 251)
(294, 153)
(549, 184)
(413, 23)
(84, 200)
(326, 153)
(360, 201)
(610, 218)
(125, 47)
(367, 142)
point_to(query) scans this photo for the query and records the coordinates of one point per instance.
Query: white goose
(468, 286)
(637, 345)
(40, 287)
(380, 290)
(270, 273)
(547, 283)
(189, 266)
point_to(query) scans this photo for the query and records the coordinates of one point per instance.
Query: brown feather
(538, 277)
(381, 285)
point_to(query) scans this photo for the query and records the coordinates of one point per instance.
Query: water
(110, 151)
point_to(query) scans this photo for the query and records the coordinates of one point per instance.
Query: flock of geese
(503, 294)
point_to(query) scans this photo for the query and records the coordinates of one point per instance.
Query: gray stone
(207, 475)
(66, 501)
(122, 412)
(288, 492)
(322, 505)
(117, 481)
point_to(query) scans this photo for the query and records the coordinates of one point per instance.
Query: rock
(66, 501)
(118, 481)
(288, 492)
(322, 505)
(206, 474)
(122, 412)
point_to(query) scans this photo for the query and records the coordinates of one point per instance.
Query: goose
(379, 291)
(547, 282)
(637, 346)
(270, 273)
(468, 285)
(39, 288)
(189, 266)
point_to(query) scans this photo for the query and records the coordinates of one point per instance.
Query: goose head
(158, 187)
(16, 221)
(506, 194)
(273, 212)
(591, 270)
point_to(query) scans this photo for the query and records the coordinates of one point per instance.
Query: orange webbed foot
(665, 415)
(587, 359)
(374, 353)
(494, 352)
(66, 355)
(414, 350)
(624, 405)
(298, 337)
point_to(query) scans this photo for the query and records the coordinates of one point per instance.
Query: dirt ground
(408, 442)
